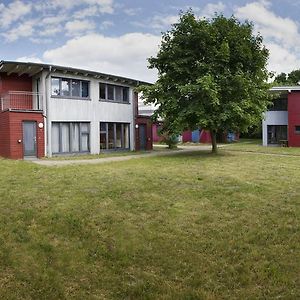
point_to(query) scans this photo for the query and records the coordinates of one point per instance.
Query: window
(115, 93)
(279, 104)
(65, 87)
(114, 136)
(70, 137)
(297, 129)
(277, 133)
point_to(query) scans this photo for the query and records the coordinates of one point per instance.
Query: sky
(117, 36)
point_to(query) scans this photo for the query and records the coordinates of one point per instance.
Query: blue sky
(117, 36)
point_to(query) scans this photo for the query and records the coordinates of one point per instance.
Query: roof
(285, 88)
(31, 69)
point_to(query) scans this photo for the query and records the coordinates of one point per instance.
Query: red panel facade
(293, 118)
(186, 136)
(14, 82)
(11, 131)
(143, 120)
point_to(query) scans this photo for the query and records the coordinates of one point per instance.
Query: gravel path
(56, 163)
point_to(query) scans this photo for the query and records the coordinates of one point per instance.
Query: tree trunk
(213, 135)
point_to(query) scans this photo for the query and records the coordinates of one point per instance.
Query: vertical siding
(293, 118)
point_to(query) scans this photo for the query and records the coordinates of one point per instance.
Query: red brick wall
(147, 121)
(293, 118)
(12, 130)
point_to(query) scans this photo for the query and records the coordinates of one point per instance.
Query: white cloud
(79, 27)
(268, 24)
(132, 11)
(13, 12)
(25, 29)
(32, 58)
(160, 22)
(125, 55)
(281, 35)
(106, 24)
(211, 8)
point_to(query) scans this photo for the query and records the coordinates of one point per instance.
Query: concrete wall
(92, 110)
(273, 118)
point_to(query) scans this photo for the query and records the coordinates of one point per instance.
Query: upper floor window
(117, 93)
(66, 87)
(279, 104)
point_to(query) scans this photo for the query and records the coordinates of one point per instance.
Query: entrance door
(143, 136)
(29, 138)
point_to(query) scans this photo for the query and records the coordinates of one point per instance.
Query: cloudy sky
(117, 36)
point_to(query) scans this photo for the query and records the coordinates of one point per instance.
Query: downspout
(46, 114)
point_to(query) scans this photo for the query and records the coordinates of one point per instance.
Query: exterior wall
(155, 136)
(145, 121)
(293, 118)
(273, 118)
(187, 136)
(93, 111)
(205, 136)
(12, 130)
(13, 82)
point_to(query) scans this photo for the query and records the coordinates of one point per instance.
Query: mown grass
(255, 145)
(195, 226)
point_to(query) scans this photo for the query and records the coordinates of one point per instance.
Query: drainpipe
(46, 114)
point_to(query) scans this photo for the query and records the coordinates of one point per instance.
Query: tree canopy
(211, 75)
(292, 78)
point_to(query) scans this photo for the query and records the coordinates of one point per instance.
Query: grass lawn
(257, 147)
(195, 226)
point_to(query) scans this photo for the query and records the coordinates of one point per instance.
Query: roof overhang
(31, 69)
(285, 88)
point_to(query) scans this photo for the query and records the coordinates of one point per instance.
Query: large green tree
(211, 74)
(292, 78)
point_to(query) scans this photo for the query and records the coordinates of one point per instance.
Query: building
(281, 124)
(50, 110)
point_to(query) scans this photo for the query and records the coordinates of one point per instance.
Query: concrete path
(181, 149)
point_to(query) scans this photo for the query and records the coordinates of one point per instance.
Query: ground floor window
(277, 133)
(70, 137)
(114, 136)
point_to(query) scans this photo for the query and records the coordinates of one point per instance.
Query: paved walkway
(181, 149)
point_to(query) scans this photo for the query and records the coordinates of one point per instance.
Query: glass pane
(102, 126)
(85, 89)
(102, 140)
(55, 137)
(75, 137)
(55, 87)
(75, 88)
(118, 90)
(111, 134)
(125, 94)
(85, 127)
(65, 137)
(126, 136)
(110, 92)
(119, 136)
(102, 91)
(65, 87)
(85, 142)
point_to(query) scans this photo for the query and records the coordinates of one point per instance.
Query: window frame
(70, 130)
(70, 80)
(107, 149)
(122, 87)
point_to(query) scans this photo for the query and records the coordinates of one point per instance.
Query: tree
(293, 78)
(211, 74)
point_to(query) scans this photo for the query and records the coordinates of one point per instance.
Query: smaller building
(281, 123)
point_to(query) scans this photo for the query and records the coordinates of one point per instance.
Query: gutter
(46, 115)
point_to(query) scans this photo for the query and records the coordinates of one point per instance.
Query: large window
(114, 136)
(66, 87)
(277, 133)
(279, 104)
(70, 137)
(117, 93)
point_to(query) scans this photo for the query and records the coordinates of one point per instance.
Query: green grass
(105, 154)
(195, 226)
(257, 147)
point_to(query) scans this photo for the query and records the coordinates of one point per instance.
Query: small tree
(211, 74)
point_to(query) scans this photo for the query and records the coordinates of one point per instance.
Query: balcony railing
(21, 100)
